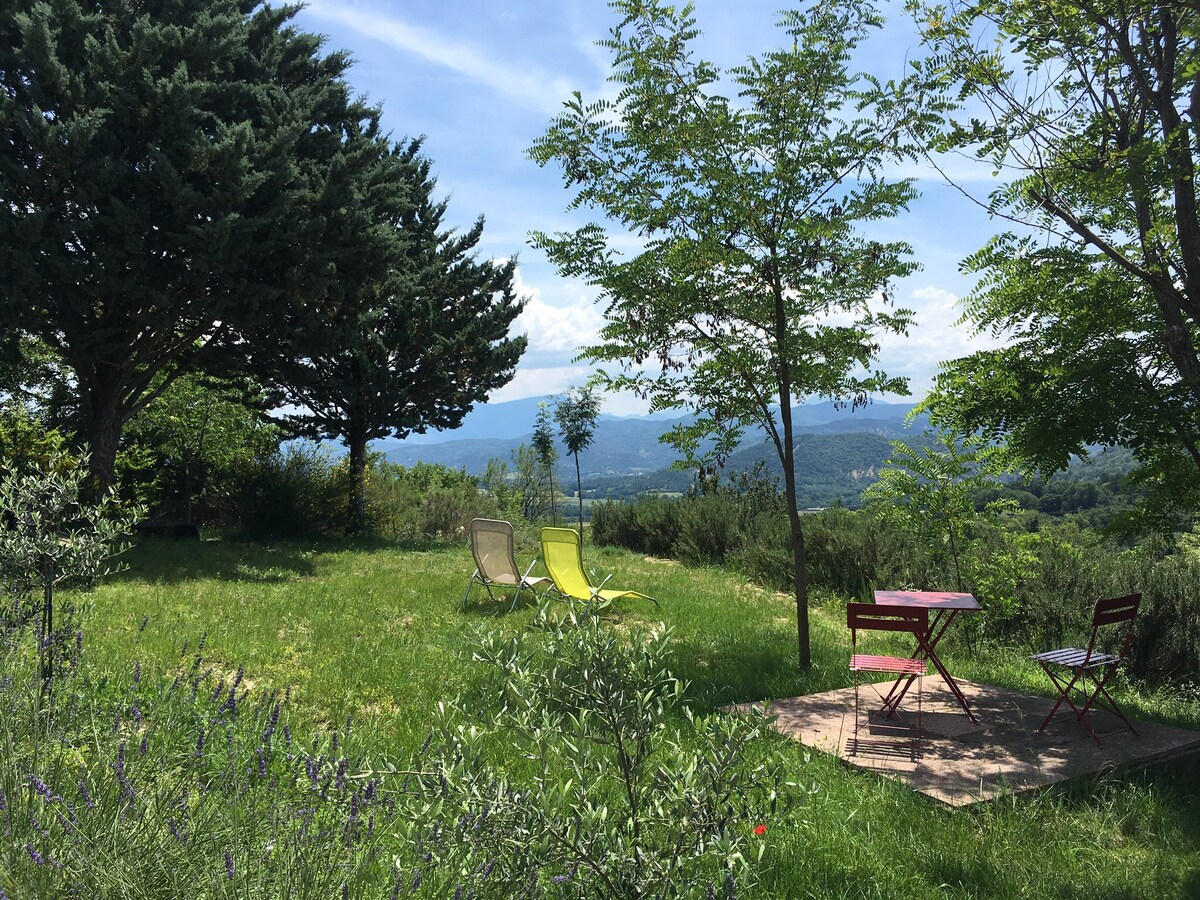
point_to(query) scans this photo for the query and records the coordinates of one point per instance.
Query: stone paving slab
(959, 762)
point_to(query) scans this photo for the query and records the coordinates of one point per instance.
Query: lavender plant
(594, 779)
(187, 786)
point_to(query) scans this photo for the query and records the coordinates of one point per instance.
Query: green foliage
(199, 435)
(414, 333)
(1086, 107)
(49, 536)
(153, 221)
(547, 454)
(576, 412)
(621, 796)
(423, 503)
(290, 493)
(930, 491)
(755, 286)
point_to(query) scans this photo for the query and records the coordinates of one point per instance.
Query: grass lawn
(375, 633)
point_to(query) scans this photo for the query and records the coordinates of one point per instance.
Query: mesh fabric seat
(1087, 672)
(496, 561)
(563, 556)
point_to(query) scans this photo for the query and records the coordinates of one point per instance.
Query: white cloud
(936, 337)
(523, 86)
(556, 333)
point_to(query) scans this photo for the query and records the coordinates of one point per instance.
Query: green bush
(423, 502)
(610, 788)
(292, 493)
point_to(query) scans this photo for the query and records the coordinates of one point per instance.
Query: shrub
(621, 794)
(291, 493)
(184, 788)
(423, 502)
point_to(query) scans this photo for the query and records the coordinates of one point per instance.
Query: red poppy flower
(760, 829)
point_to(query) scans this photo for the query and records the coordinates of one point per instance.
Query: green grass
(373, 632)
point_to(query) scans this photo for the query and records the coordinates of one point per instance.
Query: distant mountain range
(838, 453)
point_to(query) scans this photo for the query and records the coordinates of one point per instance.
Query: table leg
(928, 650)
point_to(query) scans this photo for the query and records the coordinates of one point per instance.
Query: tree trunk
(579, 490)
(103, 422)
(553, 505)
(788, 458)
(187, 493)
(356, 440)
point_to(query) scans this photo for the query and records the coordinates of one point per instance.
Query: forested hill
(839, 451)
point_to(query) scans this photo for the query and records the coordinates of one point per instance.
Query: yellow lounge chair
(563, 557)
(496, 563)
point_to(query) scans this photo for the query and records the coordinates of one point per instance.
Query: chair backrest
(492, 547)
(1115, 611)
(563, 558)
(886, 617)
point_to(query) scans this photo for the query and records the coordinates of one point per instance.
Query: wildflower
(136, 713)
(38, 859)
(85, 795)
(760, 830)
(262, 763)
(145, 622)
(730, 887)
(137, 672)
(39, 787)
(144, 745)
(341, 774)
(287, 734)
(228, 864)
(200, 745)
(416, 882)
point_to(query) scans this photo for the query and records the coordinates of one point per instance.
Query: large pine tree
(168, 173)
(402, 347)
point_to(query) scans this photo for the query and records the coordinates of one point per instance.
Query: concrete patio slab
(960, 762)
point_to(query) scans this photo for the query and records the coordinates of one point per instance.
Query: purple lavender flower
(145, 622)
(175, 830)
(86, 795)
(416, 882)
(144, 745)
(38, 859)
(228, 864)
(730, 887)
(200, 745)
(341, 774)
(137, 672)
(287, 734)
(262, 763)
(39, 787)
(136, 713)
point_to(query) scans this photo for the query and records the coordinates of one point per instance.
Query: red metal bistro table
(945, 607)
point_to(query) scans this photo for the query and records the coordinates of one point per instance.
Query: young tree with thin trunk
(547, 451)
(755, 286)
(576, 413)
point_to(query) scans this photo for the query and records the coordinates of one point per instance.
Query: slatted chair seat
(1074, 658)
(1086, 673)
(895, 664)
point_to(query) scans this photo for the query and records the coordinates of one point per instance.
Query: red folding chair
(883, 617)
(1087, 672)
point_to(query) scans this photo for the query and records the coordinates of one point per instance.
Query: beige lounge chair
(496, 562)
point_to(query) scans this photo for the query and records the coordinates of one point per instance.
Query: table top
(928, 599)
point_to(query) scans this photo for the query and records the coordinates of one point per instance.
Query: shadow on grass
(232, 559)
(742, 669)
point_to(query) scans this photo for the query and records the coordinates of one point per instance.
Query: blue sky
(481, 81)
